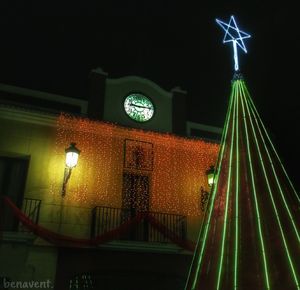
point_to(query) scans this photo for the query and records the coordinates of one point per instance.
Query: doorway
(136, 199)
(135, 192)
(13, 174)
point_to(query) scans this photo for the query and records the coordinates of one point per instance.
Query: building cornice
(143, 81)
(27, 116)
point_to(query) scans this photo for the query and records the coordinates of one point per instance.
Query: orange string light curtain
(177, 172)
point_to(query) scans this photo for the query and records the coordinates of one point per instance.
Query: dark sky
(52, 47)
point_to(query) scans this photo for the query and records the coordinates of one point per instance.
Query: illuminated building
(129, 212)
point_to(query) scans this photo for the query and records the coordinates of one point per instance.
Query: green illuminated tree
(249, 238)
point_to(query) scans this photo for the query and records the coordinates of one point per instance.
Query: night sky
(52, 47)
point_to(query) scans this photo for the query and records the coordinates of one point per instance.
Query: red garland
(62, 240)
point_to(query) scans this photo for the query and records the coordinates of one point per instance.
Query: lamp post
(210, 180)
(210, 175)
(72, 154)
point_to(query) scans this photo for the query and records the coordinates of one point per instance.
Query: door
(13, 173)
(135, 192)
(136, 199)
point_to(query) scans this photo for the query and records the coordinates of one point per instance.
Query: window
(138, 155)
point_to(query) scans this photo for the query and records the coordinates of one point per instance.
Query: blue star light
(234, 35)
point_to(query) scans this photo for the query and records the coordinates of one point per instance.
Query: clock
(138, 107)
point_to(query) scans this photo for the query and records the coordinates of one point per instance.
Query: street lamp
(210, 175)
(205, 194)
(72, 154)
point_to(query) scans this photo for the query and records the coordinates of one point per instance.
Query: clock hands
(138, 106)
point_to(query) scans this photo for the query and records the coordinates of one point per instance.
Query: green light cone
(249, 238)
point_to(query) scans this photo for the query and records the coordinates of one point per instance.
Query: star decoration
(235, 35)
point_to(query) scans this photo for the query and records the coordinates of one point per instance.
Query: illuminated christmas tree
(249, 238)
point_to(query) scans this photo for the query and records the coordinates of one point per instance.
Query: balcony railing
(123, 224)
(10, 223)
(105, 219)
(31, 208)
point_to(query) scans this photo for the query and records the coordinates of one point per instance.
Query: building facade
(127, 216)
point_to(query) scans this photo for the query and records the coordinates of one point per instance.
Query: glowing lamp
(210, 175)
(72, 154)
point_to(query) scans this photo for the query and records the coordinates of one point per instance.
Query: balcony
(152, 229)
(13, 230)
(105, 219)
(31, 208)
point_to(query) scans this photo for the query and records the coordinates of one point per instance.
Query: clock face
(138, 107)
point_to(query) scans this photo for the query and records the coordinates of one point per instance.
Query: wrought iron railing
(10, 223)
(105, 219)
(31, 208)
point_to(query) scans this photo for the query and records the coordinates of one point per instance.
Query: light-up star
(234, 35)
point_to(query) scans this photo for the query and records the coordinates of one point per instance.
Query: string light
(250, 212)
(178, 170)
